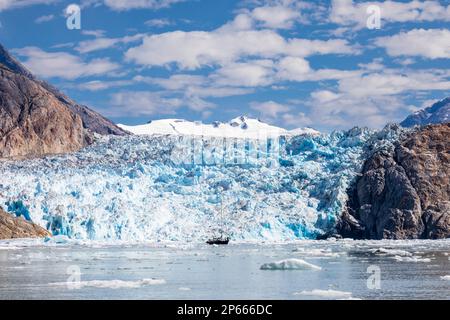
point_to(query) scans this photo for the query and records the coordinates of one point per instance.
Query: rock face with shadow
(36, 119)
(13, 228)
(403, 193)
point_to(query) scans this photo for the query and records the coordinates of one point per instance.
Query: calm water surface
(408, 270)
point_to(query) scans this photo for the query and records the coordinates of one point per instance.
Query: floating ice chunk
(317, 252)
(445, 278)
(326, 294)
(10, 248)
(110, 284)
(411, 259)
(60, 239)
(184, 289)
(290, 264)
(391, 252)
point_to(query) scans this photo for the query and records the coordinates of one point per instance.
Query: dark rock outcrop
(403, 193)
(437, 113)
(12, 228)
(36, 119)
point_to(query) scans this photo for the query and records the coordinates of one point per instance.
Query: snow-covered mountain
(240, 127)
(437, 113)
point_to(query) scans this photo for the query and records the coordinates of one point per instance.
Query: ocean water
(332, 269)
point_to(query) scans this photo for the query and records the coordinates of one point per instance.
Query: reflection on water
(349, 269)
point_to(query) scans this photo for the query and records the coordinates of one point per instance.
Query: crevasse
(170, 188)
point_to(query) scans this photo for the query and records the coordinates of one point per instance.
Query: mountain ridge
(439, 112)
(37, 119)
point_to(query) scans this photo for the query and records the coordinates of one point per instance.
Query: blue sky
(290, 63)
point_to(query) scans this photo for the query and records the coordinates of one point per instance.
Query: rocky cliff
(36, 119)
(403, 193)
(12, 227)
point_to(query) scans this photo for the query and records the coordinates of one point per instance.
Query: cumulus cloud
(12, 4)
(219, 47)
(145, 103)
(102, 43)
(142, 103)
(124, 5)
(431, 43)
(253, 73)
(276, 17)
(371, 98)
(62, 64)
(269, 109)
(348, 13)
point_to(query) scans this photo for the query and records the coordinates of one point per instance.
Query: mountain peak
(439, 112)
(7, 60)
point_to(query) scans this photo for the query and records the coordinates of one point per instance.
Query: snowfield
(240, 127)
(170, 187)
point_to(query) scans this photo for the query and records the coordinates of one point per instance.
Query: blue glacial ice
(169, 188)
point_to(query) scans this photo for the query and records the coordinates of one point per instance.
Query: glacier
(169, 187)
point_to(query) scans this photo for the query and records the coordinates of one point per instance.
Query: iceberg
(290, 264)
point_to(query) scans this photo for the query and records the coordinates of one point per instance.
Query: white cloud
(43, 19)
(145, 103)
(269, 110)
(142, 103)
(323, 96)
(62, 64)
(93, 33)
(124, 5)
(98, 85)
(431, 43)
(348, 13)
(393, 82)
(293, 68)
(372, 97)
(13, 4)
(105, 43)
(276, 17)
(284, 114)
(253, 73)
(158, 23)
(297, 120)
(219, 47)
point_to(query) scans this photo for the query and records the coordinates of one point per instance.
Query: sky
(326, 64)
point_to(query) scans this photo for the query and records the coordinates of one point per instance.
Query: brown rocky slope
(36, 119)
(403, 193)
(12, 228)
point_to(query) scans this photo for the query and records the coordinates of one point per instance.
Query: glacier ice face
(169, 188)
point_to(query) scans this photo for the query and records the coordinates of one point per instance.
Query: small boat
(218, 241)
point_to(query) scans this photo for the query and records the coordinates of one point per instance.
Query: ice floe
(290, 264)
(411, 259)
(110, 284)
(325, 294)
(391, 252)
